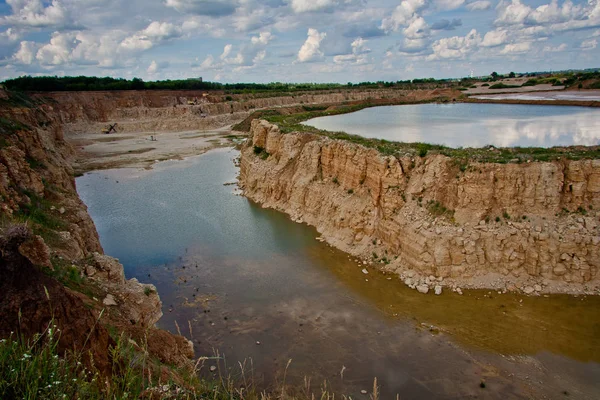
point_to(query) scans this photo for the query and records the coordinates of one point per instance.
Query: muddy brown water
(260, 290)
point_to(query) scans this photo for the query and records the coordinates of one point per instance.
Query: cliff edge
(532, 227)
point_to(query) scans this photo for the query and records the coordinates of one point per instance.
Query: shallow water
(232, 274)
(471, 125)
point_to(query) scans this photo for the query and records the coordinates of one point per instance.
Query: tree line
(89, 83)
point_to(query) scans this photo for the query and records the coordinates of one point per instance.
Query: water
(237, 274)
(472, 125)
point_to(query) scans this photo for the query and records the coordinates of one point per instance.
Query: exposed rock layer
(366, 203)
(37, 184)
(157, 110)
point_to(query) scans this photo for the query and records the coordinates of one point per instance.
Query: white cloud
(448, 4)
(358, 55)
(26, 53)
(516, 48)
(32, 13)
(310, 49)
(495, 38)
(263, 38)
(58, 51)
(208, 63)
(589, 44)
(259, 56)
(511, 13)
(10, 35)
(153, 34)
(416, 29)
(156, 67)
(553, 13)
(455, 47)
(300, 6)
(557, 49)
(226, 51)
(479, 5)
(402, 14)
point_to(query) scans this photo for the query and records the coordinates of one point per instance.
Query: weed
(497, 219)
(350, 191)
(335, 180)
(505, 215)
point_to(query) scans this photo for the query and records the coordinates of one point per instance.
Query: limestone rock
(438, 290)
(36, 251)
(423, 289)
(109, 300)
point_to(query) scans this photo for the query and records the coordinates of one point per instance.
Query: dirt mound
(32, 302)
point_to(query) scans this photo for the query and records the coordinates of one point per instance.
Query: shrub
(350, 191)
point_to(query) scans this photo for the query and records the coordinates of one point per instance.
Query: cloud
(211, 8)
(479, 5)
(589, 44)
(263, 38)
(58, 51)
(416, 29)
(402, 14)
(358, 55)
(456, 47)
(153, 34)
(226, 51)
(553, 13)
(557, 49)
(511, 13)
(516, 48)
(310, 49)
(155, 67)
(495, 38)
(446, 25)
(448, 4)
(33, 14)
(301, 6)
(26, 53)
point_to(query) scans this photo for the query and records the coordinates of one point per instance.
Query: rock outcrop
(37, 186)
(181, 110)
(487, 225)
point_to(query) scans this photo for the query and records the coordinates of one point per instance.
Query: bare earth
(512, 81)
(142, 149)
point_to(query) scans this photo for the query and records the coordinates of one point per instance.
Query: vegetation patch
(261, 152)
(437, 209)
(501, 85)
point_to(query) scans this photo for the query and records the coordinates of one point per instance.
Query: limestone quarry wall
(369, 204)
(154, 110)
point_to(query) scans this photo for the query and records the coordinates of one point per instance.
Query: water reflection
(472, 125)
(233, 274)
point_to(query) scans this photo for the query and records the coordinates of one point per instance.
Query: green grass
(261, 152)
(437, 209)
(33, 369)
(289, 123)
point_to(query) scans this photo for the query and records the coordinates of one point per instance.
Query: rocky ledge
(531, 227)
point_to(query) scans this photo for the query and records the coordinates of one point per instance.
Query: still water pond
(232, 274)
(472, 125)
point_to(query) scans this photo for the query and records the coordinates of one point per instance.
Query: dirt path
(142, 149)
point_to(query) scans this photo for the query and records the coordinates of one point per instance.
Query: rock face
(37, 183)
(32, 302)
(508, 220)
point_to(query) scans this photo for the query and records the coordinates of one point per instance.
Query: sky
(296, 40)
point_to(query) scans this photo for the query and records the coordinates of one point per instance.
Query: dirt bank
(532, 227)
(37, 187)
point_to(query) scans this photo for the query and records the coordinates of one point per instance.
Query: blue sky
(295, 40)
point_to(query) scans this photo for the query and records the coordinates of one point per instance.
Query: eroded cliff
(432, 220)
(38, 195)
